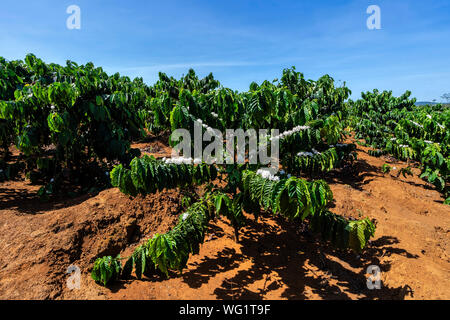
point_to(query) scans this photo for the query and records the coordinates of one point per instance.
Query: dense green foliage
(341, 232)
(66, 117)
(397, 127)
(148, 175)
(313, 164)
(292, 198)
(295, 198)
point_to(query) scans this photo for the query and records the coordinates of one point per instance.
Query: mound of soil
(40, 241)
(273, 260)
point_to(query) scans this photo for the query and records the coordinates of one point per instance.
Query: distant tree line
(446, 97)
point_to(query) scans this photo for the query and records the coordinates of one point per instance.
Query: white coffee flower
(265, 173)
(416, 124)
(290, 132)
(184, 216)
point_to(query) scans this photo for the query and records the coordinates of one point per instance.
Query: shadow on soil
(356, 176)
(28, 202)
(414, 184)
(295, 257)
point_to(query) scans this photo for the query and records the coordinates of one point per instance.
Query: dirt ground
(273, 260)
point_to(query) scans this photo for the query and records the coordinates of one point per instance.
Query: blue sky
(243, 41)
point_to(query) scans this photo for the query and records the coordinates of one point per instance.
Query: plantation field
(274, 259)
(310, 189)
